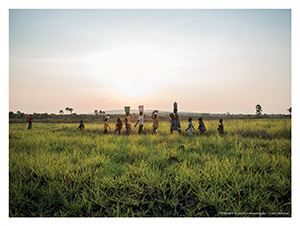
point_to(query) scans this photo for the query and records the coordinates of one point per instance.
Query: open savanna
(56, 170)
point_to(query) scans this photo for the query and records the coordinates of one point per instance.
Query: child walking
(106, 126)
(190, 127)
(155, 121)
(118, 126)
(201, 127)
(221, 127)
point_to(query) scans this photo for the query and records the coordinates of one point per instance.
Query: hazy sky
(207, 60)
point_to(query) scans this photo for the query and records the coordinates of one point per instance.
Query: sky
(209, 61)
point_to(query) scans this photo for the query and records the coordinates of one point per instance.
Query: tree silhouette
(290, 110)
(258, 109)
(96, 112)
(67, 109)
(11, 114)
(71, 110)
(61, 111)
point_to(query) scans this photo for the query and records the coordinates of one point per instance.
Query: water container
(175, 106)
(141, 108)
(155, 112)
(127, 109)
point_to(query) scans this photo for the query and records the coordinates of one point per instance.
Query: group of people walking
(175, 123)
(127, 124)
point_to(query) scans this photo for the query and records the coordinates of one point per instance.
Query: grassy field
(56, 170)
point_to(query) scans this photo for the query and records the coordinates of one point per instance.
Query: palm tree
(70, 109)
(61, 111)
(67, 109)
(258, 109)
(96, 112)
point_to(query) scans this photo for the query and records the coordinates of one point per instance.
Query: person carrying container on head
(29, 120)
(155, 121)
(127, 121)
(106, 125)
(140, 119)
(175, 123)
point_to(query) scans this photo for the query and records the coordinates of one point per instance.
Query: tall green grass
(56, 170)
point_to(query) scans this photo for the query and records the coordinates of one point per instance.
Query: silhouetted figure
(190, 127)
(29, 120)
(81, 126)
(201, 127)
(221, 127)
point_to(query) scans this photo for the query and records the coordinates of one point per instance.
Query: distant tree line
(75, 118)
(164, 116)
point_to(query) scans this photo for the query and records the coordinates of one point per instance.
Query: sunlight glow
(133, 71)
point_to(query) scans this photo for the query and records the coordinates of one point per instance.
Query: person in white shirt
(141, 122)
(190, 127)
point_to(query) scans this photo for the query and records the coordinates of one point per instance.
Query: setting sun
(133, 70)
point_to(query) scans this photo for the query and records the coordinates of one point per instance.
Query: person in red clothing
(118, 126)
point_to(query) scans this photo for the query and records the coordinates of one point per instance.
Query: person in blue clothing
(175, 123)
